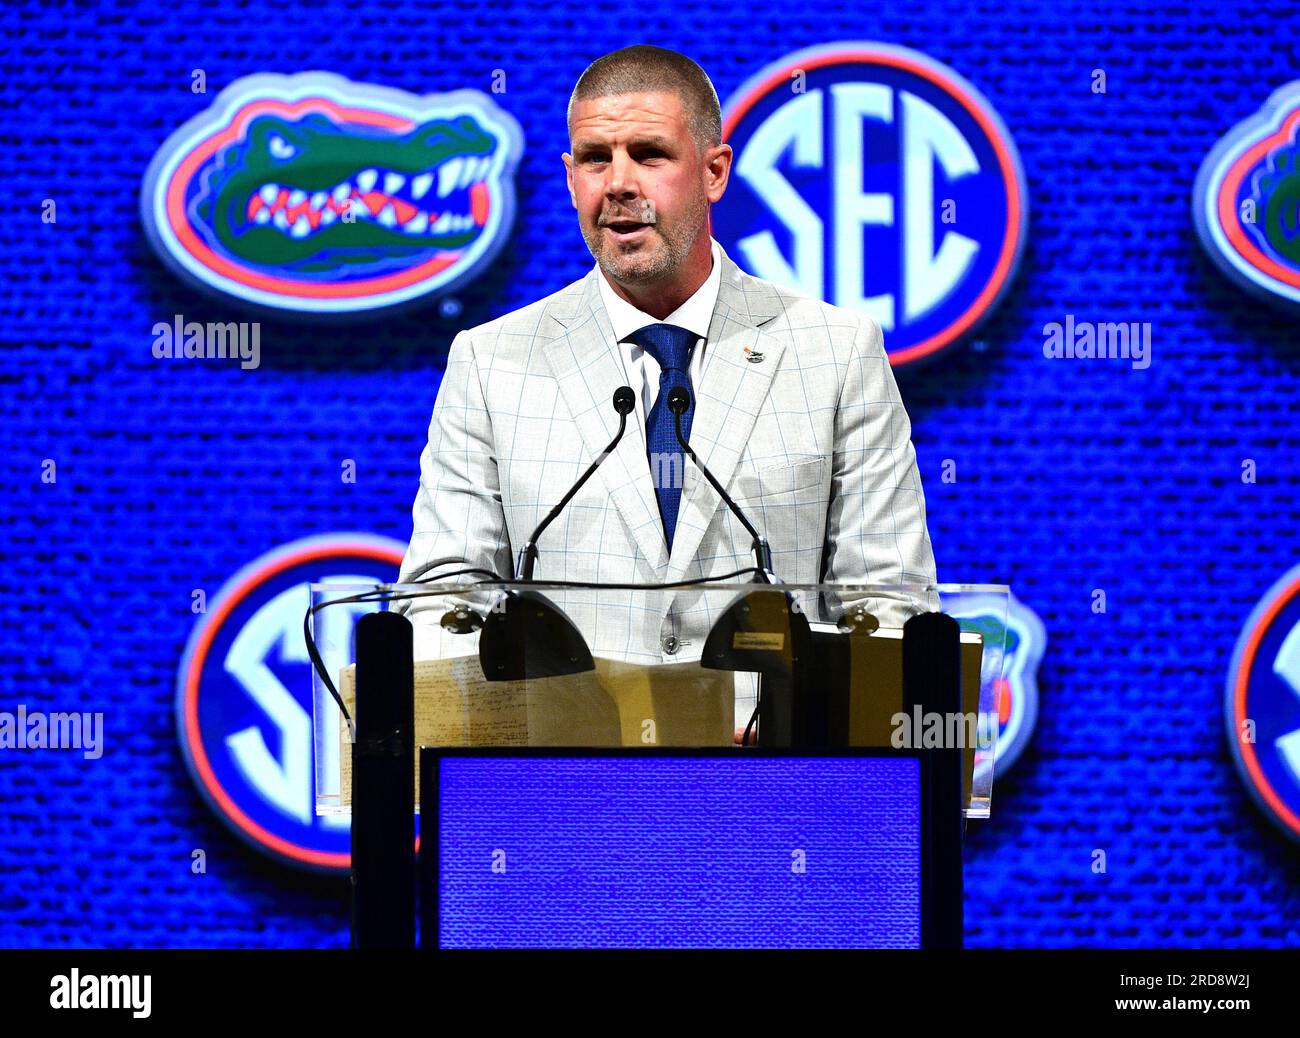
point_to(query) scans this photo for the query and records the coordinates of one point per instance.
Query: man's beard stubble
(652, 261)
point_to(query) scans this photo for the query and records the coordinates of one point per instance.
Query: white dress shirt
(694, 315)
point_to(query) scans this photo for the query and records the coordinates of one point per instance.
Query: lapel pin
(753, 356)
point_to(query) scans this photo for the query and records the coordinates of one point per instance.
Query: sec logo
(876, 179)
(315, 194)
(243, 699)
(1246, 200)
(1263, 704)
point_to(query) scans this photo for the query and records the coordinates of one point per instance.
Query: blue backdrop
(1071, 476)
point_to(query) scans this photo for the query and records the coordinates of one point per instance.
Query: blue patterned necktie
(671, 347)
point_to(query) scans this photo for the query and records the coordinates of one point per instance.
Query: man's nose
(622, 177)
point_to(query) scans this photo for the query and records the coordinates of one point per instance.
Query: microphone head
(624, 400)
(678, 400)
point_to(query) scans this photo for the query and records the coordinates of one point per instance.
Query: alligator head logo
(1015, 641)
(1246, 202)
(318, 195)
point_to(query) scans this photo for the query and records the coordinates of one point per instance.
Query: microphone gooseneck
(624, 402)
(679, 400)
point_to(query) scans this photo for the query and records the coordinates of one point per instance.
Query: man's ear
(717, 170)
(568, 175)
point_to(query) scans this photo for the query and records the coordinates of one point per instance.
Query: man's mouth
(626, 228)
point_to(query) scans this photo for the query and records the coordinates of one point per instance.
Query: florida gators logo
(1262, 708)
(1014, 675)
(1246, 202)
(314, 194)
(879, 180)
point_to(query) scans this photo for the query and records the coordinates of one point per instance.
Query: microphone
(525, 635)
(764, 631)
(679, 401)
(624, 401)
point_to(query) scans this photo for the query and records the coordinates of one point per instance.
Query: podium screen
(593, 849)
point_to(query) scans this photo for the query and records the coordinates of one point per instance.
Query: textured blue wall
(1071, 475)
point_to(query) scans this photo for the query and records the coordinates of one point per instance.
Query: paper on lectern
(617, 704)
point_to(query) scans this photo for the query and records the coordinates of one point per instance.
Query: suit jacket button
(670, 644)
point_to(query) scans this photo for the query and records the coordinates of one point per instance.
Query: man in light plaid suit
(795, 409)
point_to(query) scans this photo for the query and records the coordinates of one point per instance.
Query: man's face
(640, 185)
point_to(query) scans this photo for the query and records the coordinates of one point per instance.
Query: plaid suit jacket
(797, 415)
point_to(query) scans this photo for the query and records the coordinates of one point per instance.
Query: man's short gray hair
(647, 69)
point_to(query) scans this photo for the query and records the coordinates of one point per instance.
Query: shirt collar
(694, 315)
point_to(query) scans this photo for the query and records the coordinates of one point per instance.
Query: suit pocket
(773, 481)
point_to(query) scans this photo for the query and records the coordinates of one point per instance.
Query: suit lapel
(728, 398)
(588, 368)
(584, 357)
